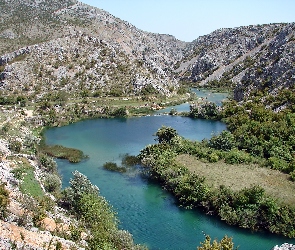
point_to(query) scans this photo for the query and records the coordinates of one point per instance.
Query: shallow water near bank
(143, 208)
(202, 95)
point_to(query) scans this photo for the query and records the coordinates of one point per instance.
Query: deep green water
(143, 208)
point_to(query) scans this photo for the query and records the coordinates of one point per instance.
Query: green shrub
(236, 156)
(292, 175)
(277, 163)
(224, 141)
(15, 146)
(52, 183)
(213, 157)
(225, 244)
(4, 201)
(114, 167)
(48, 163)
(130, 160)
(166, 134)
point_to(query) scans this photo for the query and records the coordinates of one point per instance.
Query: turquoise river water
(143, 208)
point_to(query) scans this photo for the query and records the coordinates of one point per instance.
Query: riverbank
(249, 206)
(32, 216)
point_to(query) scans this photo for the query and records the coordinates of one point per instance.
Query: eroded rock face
(273, 66)
(224, 46)
(71, 28)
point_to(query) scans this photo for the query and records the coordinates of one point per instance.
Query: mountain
(58, 32)
(244, 59)
(78, 47)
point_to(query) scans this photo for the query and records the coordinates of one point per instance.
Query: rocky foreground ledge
(285, 246)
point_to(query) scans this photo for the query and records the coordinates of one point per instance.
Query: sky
(189, 19)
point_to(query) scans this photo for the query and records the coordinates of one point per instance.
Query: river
(143, 208)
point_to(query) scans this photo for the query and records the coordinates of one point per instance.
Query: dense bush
(166, 134)
(236, 156)
(226, 243)
(224, 141)
(112, 166)
(47, 163)
(15, 146)
(262, 132)
(206, 110)
(52, 183)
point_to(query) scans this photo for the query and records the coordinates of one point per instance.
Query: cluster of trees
(257, 129)
(247, 208)
(95, 216)
(206, 110)
(263, 133)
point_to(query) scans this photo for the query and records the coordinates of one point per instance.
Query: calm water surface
(202, 94)
(143, 208)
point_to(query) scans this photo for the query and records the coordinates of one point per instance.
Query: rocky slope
(86, 44)
(244, 59)
(76, 29)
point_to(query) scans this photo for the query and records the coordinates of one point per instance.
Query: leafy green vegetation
(61, 152)
(226, 243)
(264, 133)
(96, 215)
(114, 167)
(205, 110)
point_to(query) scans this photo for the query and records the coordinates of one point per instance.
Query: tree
(224, 141)
(225, 244)
(166, 134)
(79, 185)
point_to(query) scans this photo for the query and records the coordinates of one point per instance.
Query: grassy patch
(61, 152)
(111, 166)
(237, 177)
(28, 185)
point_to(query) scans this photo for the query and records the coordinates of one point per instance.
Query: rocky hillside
(66, 30)
(244, 59)
(78, 47)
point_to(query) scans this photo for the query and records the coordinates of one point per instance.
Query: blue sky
(188, 19)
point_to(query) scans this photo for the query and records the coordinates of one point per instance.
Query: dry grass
(237, 177)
